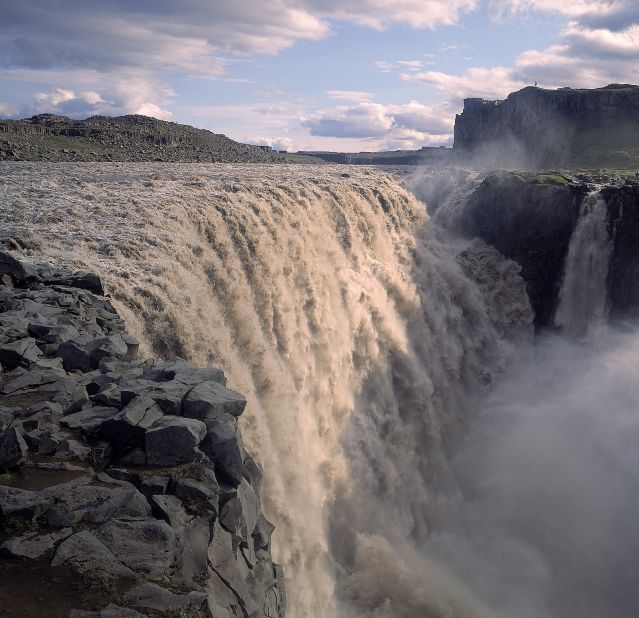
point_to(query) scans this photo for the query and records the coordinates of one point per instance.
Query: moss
(5, 478)
(554, 179)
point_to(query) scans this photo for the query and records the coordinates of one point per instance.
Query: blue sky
(306, 74)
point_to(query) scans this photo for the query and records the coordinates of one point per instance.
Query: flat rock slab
(148, 546)
(211, 400)
(152, 596)
(110, 611)
(33, 545)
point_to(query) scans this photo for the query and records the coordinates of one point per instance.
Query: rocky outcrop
(48, 137)
(124, 483)
(537, 128)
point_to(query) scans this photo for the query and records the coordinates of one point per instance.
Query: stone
(168, 395)
(22, 503)
(127, 428)
(179, 370)
(252, 472)
(170, 509)
(173, 440)
(72, 449)
(21, 272)
(154, 485)
(96, 505)
(52, 333)
(152, 596)
(33, 545)
(262, 533)
(212, 400)
(197, 496)
(110, 611)
(13, 448)
(147, 546)
(21, 352)
(84, 552)
(89, 419)
(223, 446)
(84, 281)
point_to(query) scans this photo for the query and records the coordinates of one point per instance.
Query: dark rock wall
(530, 223)
(540, 128)
(123, 482)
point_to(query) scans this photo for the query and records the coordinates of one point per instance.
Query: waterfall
(582, 298)
(347, 320)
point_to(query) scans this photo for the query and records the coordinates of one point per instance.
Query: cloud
(350, 95)
(409, 124)
(106, 95)
(7, 111)
(277, 143)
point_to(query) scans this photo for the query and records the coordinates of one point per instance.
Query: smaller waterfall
(583, 298)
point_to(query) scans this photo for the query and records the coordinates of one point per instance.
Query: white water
(364, 347)
(582, 299)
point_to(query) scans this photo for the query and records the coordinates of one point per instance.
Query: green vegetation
(5, 477)
(550, 178)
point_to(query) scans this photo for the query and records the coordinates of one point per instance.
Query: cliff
(48, 137)
(125, 489)
(537, 128)
(532, 219)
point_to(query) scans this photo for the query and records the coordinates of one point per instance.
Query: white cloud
(7, 111)
(349, 95)
(277, 143)
(412, 122)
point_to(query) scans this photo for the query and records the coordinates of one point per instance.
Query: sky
(344, 75)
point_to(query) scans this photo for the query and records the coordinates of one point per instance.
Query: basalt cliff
(540, 128)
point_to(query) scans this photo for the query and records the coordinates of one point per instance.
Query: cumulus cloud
(7, 111)
(276, 143)
(409, 124)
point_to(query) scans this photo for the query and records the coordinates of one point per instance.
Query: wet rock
(154, 485)
(262, 533)
(19, 271)
(90, 418)
(84, 281)
(173, 440)
(212, 400)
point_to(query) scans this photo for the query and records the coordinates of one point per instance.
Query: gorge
(443, 404)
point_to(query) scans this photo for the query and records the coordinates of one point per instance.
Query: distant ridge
(47, 137)
(536, 128)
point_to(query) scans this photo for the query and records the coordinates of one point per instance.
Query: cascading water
(364, 338)
(582, 298)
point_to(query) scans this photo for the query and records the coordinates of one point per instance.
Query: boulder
(148, 546)
(96, 505)
(33, 545)
(168, 395)
(13, 448)
(21, 352)
(212, 400)
(84, 552)
(223, 446)
(20, 272)
(173, 440)
(179, 370)
(198, 497)
(89, 419)
(22, 503)
(127, 427)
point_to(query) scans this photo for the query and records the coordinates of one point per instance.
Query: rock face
(531, 219)
(109, 478)
(48, 137)
(538, 128)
